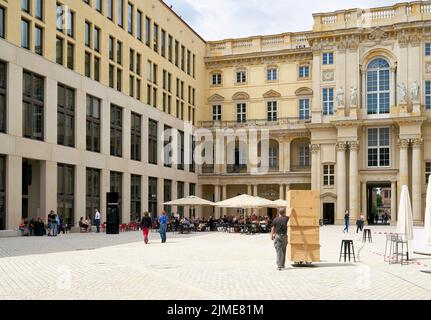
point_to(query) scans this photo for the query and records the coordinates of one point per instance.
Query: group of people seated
(85, 225)
(38, 227)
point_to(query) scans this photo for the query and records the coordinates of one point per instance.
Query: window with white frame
(271, 74)
(241, 76)
(304, 109)
(428, 49)
(428, 95)
(328, 175)
(328, 101)
(272, 110)
(216, 112)
(304, 72)
(304, 155)
(328, 58)
(216, 78)
(378, 86)
(379, 147)
(241, 112)
(273, 157)
(427, 170)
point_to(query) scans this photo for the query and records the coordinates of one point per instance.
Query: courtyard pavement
(211, 265)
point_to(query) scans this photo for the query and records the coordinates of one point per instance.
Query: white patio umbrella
(405, 215)
(189, 201)
(244, 201)
(280, 203)
(428, 215)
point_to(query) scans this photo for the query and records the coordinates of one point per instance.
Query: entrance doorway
(329, 213)
(379, 203)
(31, 189)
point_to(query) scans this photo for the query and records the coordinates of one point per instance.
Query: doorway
(30, 194)
(329, 213)
(379, 203)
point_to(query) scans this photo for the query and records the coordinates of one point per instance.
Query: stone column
(281, 155)
(287, 156)
(224, 197)
(416, 180)
(255, 190)
(281, 193)
(341, 180)
(14, 192)
(364, 199)
(353, 183)
(315, 163)
(48, 189)
(394, 212)
(125, 201)
(216, 199)
(404, 164)
(286, 191)
(104, 188)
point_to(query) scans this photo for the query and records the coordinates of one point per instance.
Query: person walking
(346, 221)
(163, 220)
(97, 220)
(146, 225)
(279, 236)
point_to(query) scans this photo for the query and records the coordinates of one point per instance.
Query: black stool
(367, 235)
(345, 249)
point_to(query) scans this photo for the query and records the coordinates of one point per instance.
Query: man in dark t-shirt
(279, 236)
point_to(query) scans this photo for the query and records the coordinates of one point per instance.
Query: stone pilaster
(341, 180)
(353, 180)
(416, 180)
(315, 164)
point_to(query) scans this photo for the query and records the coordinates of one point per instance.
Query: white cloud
(220, 19)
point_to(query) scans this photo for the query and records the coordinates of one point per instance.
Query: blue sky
(220, 19)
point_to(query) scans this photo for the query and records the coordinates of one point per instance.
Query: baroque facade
(88, 89)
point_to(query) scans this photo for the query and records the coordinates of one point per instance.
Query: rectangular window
(3, 90)
(163, 43)
(217, 112)
(155, 97)
(96, 39)
(138, 64)
(378, 147)
(109, 9)
(183, 57)
(65, 116)
(119, 52)
(167, 195)
(70, 23)
(428, 95)
(93, 124)
(132, 60)
(138, 89)
(152, 141)
(188, 62)
(25, 34)
(170, 44)
(131, 85)
(304, 155)
(59, 17)
(2, 193)
(38, 9)
(241, 112)
(59, 50)
(92, 194)
(96, 68)
(120, 12)
(66, 192)
(271, 110)
(88, 64)
(87, 34)
(2, 22)
(38, 40)
(135, 197)
(135, 142)
(148, 31)
(116, 126)
(167, 146)
(328, 58)
(152, 197)
(130, 18)
(99, 5)
(304, 109)
(33, 106)
(241, 77)
(180, 194)
(155, 73)
(149, 88)
(328, 101)
(119, 79)
(216, 79)
(139, 25)
(111, 75)
(271, 74)
(25, 5)
(180, 148)
(116, 185)
(192, 166)
(427, 49)
(427, 171)
(111, 48)
(328, 175)
(70, 55)
(156, 38)
(177, 52)
(194, 66)
(304, 72)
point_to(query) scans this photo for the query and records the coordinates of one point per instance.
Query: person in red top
(145, 226)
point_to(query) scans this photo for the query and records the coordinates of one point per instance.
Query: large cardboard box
(304, 253)
(302, 199)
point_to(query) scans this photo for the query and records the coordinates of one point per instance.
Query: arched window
(378, 86)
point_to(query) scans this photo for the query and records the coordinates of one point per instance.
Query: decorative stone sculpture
(414, 91)
(353, 96)
(402, 92)
(340, 97)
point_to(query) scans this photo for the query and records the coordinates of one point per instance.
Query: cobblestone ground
(201, 266)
